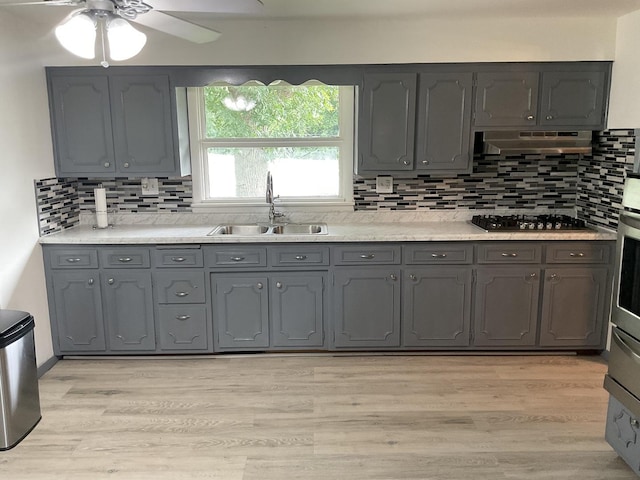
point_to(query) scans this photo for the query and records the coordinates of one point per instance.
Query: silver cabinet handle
(530, 117)
(237, 259)
(549, 117)
(511, 255)
(413, 277)
(580, 254)
(367, 256)
(260, 285)
(91, 281)
(110, 281)
(439, 255)
(125, 259)
(405, 162)
(301, 257)
(178, 259)
(279, 284)
(126, 165)
(393, 277)
(634, 423)
(533, 275)
(73, 260)
(183, 317)
(553, 276)
(425, 162)
(107, 164)
(182, 294)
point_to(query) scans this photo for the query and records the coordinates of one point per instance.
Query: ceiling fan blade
(177, 27)
(208, 6)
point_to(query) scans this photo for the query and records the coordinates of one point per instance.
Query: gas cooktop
(514, 223)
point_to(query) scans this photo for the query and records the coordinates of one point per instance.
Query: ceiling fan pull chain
(104, 62)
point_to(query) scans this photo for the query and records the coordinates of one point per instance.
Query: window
(302, 134)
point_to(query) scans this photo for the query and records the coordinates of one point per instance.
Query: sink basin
(283, 229)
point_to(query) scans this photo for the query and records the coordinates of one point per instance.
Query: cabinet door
(297, 309)
(366, 307)
(574, 306)
(387, 122)
(241, 311)
(437, 306)
(506, 99)
(78, 311)
(444, 122)
(81, 123)
(129, 310)
(142, 125)
(573, 99)
(506, 306)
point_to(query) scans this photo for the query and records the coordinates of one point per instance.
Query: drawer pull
(237, 259)
(279, 284)
(260, 285)
(367, 256)
(178, 259)
(182, 294)
(111, 281)
(634, 423)
(553, 276)
(125, 259)
(183, 317)
(393, 277)
(439, 255)
(509, 255)
(413, 277)
(91, 281)
(533, 275)
(73, 260)
(301, 257)
(580, 254)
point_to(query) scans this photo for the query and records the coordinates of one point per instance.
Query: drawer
(509, 252)
(438, 253)
(292, 256)
(73, 258)
(236, 257)
(178, 257)
(367, 255)
(578, 252)
(179, 286)
(622, 432)
(125, 258)
(183, 327)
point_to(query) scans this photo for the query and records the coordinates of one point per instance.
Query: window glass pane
(274, 111)
(297, 171)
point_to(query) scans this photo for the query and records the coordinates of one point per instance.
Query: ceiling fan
(112, 16)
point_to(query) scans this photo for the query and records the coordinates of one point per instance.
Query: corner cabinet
(108, 125)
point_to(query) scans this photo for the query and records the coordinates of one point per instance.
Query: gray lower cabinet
(77, 310)
(128, 310)
(506, 306)
(436, 306)
(366, 307)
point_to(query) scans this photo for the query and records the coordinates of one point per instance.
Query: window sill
(263, 208)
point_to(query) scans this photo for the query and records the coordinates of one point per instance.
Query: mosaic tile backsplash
(591, 184)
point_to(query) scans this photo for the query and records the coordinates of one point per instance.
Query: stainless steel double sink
(256, 229)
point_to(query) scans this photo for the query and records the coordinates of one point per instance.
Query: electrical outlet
(149, 186)
(384, 184)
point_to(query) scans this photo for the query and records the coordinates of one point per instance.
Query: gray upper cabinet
(573, 99)
(444, 122)
(387, 122)
(506, 99)
(109, 125)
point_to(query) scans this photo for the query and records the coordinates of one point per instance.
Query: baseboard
(46, 366)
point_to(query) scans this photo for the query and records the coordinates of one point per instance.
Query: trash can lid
(9, 319)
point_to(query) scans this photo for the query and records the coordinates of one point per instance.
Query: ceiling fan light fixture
(124, 41)
(78, 35)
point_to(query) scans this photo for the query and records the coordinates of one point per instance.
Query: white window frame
(199, 145)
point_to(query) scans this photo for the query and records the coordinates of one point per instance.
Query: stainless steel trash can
(19, 396)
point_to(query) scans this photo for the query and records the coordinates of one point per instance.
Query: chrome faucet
(273, 214)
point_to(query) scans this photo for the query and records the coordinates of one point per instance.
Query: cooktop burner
(512, 223)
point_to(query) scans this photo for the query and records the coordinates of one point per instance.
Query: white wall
(624, 106)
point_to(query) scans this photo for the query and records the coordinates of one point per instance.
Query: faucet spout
(273, 214)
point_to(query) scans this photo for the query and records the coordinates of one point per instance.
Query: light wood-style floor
(281, 417)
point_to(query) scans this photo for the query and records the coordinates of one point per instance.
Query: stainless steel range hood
(544, 142)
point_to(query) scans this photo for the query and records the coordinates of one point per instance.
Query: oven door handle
(627, 346)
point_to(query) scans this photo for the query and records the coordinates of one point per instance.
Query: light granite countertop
(127, 234)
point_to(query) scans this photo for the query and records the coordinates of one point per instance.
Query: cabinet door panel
(82, 134)
(129, 310)
(506, 99)
(297, 310)
(78, 311)
(143, 134)
(367, 307)
(437, 306)
(572, 98)
(387, 123)
(506, 306)
(574, 306)
(444, 122)
(241, 311)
